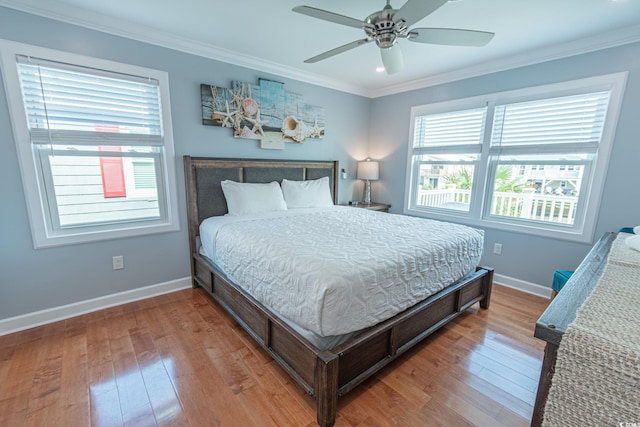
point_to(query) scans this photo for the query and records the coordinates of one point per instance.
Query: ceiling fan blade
(392, 59)
(337, 50)
(329, 16)
(415, 10)
(450, 36)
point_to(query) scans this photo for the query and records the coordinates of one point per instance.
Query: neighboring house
(90, 190)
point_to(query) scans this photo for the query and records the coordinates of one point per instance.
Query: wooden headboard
(203, 176)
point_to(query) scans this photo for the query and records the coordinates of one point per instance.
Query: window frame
(479, 212)
(43, 222)
(411, 187)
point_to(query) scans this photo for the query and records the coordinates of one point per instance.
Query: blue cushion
(560, 277)
(627, 230)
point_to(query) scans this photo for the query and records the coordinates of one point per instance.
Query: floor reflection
(144, 395)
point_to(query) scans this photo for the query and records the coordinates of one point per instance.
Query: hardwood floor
(178, 359)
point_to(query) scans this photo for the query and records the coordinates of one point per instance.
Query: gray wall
(524, 257)
(32, 280)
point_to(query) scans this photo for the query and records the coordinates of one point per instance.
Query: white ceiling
(268, 36)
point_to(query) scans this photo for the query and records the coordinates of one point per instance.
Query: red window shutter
(112, 173)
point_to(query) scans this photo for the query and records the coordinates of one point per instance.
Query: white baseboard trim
(521, 285)
(38, 318)
(42, 317)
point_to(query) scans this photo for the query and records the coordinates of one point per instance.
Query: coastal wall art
(264, 112)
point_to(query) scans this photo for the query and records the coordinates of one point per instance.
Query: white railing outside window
(525, 205)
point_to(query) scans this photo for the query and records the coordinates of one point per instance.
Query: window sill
(533, 229)
(83, 236)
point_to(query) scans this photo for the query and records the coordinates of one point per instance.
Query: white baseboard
(521, 285)
(30, 320)
(38, 318)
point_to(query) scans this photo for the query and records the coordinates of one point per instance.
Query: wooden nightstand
(372, 207)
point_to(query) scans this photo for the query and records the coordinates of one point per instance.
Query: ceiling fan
(388, 25)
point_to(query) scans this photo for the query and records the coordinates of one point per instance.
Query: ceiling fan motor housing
(381, 27)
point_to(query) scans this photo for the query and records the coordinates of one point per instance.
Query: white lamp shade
(368, 170)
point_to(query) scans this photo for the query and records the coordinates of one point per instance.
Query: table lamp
(367, 171)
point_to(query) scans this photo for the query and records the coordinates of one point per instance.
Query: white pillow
(633, 242)
(245, 198)
(313, 193)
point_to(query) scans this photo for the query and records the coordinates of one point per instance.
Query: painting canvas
(265, 112)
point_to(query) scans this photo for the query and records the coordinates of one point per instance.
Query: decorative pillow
(633, 242)
(313, 193)
(245, 198)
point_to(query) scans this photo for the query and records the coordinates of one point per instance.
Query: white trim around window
(456, 172)
(80, 139)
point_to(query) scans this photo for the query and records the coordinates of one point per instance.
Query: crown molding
(615, 38)
(95, 21)
(144, 34)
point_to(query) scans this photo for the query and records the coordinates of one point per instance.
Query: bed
(325, 360)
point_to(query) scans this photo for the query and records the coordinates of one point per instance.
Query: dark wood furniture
(324, 374)
(371, 206)
(553, 323)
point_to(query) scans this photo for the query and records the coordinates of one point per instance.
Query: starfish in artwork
(257, 123)
(316, 131)
(237, 97)
(227, 117)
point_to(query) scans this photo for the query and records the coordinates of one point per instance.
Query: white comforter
(338, 270)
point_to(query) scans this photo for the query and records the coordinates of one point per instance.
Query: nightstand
(372, 207)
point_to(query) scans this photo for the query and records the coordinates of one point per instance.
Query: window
(95, 145)
(446, 152)
(532, 160)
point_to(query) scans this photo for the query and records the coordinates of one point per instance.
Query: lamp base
(366, 197)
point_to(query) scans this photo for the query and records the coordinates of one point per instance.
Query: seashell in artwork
(247, 133)
(295, 129)
(249, 107)
(289, 123)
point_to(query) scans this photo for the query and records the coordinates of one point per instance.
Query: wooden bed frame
(324, 374)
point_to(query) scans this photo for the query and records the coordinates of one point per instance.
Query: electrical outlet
(497, 248)
(118, 262)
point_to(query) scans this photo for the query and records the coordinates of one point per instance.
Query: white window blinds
(68, 104)
(566, 120)
(448, 129)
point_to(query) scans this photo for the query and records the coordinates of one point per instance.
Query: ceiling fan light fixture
(392, 59)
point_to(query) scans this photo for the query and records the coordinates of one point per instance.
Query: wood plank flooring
(179, 360)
